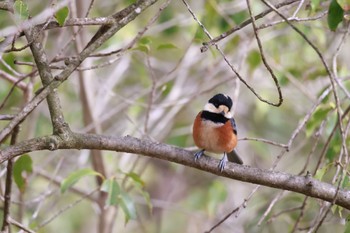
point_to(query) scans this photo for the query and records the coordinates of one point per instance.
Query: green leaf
(128, 206)
(315, 5)
(111, 187)
(253, 59)
(334, 147)
(147, 198)
(23, 164)
(345, 183)
(143, 48)
(139, 185)
(320, 173)
(344, 4)
(76, 176)
(319, 115)
(167, 46)
(61, 15)
(21, 10)
(335, 15)
(347, 224)
(145, 40)
(136, 178)
(239, 17)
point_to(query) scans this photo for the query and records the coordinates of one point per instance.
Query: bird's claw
(223, 162)
(198, 154)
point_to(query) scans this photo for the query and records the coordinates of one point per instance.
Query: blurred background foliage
(154, 91)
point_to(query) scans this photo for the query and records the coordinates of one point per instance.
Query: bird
(215, 130)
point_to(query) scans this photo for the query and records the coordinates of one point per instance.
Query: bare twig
(265, 141)
(8, 188)
(244, 24)
(20, 226)
(223, 220)
(12, 79)
(272, 203)
(262, 55)
(66, 208)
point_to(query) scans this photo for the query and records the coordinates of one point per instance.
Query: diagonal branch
(35, 35)
(301, 184)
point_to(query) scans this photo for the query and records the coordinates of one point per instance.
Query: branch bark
(34, 35)
(300, 184)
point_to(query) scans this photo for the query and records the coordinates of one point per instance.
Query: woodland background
(147, 74)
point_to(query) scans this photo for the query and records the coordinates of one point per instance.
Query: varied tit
(215, 130)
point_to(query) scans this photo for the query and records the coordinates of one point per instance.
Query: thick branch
(301, 184)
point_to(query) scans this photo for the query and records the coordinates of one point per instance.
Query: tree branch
(35, 35)
(301, 184)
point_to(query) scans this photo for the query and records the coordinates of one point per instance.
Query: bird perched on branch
(215, 130)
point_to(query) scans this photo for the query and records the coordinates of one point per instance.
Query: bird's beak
(222, 113)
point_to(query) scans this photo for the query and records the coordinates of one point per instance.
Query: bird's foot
(198, 154)
(223, 162)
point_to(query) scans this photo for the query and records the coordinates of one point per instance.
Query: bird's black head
(221, 99)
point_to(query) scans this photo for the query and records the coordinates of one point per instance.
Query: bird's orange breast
(213, 137)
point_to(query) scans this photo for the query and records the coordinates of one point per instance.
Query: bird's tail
(234, 158)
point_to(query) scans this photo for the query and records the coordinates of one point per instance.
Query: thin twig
(20, 226)
(66, 208)
(269, 208)
(262, 55)
(293, 19)
(222, 220)
(8, 188)
(244, 24)
(264, 141)
(301, 214)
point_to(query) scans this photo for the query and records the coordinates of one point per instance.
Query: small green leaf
(21, 10)
(344, 4)
(345, 183)
(145, 40)
(111, 187)
(76, 176)
(61, 15)
(320, 173)
(128, 206)
(253, 59)
(143, 48)
(239, 17)
(347, 224)
(139, 185)
(147, 198)
(334, 147)
(315, 5)
(136, 178)
(24, 163)
(319, 115)
(167, 46)
(335, 15)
